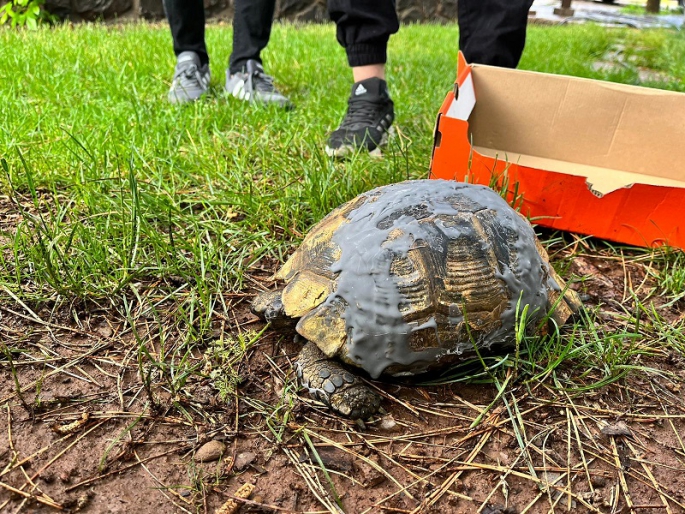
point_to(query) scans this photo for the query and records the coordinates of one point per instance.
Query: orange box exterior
(641, 214)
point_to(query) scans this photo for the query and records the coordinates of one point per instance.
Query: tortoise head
(269, 306)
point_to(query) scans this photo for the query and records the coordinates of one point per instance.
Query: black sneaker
(368, 120)
(253, 85)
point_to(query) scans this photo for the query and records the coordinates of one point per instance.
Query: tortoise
(409, 278)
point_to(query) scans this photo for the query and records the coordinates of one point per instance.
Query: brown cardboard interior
(613, 134)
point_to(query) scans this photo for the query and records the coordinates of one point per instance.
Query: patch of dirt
(88, 425)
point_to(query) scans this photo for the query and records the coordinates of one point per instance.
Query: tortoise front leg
(332, 384)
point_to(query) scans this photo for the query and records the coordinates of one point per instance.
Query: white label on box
(463, 105)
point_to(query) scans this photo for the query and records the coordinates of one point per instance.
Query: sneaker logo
(360, 90)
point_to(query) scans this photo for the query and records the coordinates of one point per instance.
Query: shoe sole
(347, 150)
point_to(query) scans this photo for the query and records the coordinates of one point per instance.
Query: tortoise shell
(414, 276)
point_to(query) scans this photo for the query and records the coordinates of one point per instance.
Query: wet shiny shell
(412, 276)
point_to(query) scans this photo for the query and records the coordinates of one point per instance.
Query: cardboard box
(587, 156)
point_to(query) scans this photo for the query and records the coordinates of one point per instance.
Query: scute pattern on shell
(409, 277)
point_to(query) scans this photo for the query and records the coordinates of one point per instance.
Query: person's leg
(187, 23)
(493, 31)
(363, 30)
(251, 31)
(245, 76)
(369, 71)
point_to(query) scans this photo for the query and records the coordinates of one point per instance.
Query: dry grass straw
(537, 445)
(133, 233)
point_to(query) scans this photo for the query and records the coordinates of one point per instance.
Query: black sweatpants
(364, 28)
(490, 31)
(493, 31)
(251, 29)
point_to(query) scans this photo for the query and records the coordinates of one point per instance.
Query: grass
(163, 217)
(115, 186)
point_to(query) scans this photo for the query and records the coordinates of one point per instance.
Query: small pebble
(243, 460)
(210, 451)
(388, 423)
(104, 330)
(335, 459)
(616, 429)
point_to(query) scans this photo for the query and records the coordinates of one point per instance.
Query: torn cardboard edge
(580, 151)
(599, 180)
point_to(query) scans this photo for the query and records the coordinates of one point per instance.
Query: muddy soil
(84, 427)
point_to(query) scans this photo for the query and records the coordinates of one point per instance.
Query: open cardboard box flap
(587, 156)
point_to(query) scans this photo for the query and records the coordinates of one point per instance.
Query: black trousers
(493, 31)
(363, 28)
(251, 29)
(490, 31)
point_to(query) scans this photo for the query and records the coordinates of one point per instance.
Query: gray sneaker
(191, 80)
(253, 85)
